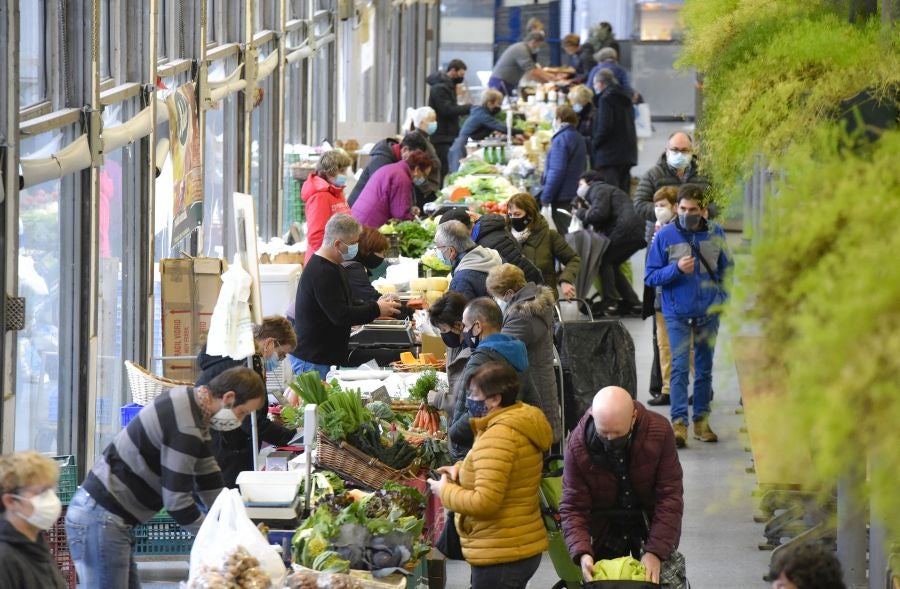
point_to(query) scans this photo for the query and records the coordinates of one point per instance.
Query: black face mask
(600, 446)
(456, 80)
(370, 261)
(451, 340)
(469, 340)
(494, 110)
(519, 223)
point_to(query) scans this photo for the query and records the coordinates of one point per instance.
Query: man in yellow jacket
(494, 491)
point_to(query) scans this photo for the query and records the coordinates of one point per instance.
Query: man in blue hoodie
(482, 320)
(687, 260)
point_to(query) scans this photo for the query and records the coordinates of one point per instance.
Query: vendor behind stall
(233, 450)
(518, 61)
(372, 249)
(481, 123)
(324, 308)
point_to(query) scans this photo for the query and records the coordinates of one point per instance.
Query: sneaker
(703, 432)
(660, 401)
(681, 431)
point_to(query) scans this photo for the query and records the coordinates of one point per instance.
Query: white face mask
(677, 159)
(502, 304)
(46, 508)
(582, 190)
(664, 215)
(224, 420)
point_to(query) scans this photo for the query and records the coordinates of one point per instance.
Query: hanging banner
(187, 167)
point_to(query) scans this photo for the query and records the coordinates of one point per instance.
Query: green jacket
(544, 246)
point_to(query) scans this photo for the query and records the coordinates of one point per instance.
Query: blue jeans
(101, 545)
(499, 85)
(508, 575)
(300, 366)
(704, 330)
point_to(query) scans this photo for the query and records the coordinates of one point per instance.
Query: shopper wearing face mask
(688, 260)
(323, 196)
(494, 490)
(613, 138)
(566, 161)
(274, 339)
(608, 210)
(443, 99)
(469, 263)
(582, 99)
(622, 458)
(481, 123)
(28, 507)
(423, 123)
(446, 315)
(324, 309)
(528, 317)
(482, 320)
(389, 192)
(161, 460)
(678, 165)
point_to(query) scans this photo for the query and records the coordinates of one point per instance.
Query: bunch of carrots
(427, 419)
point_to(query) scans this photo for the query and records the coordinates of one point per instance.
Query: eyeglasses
(281, 353)
(680, 149)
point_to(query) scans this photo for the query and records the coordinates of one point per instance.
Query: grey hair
(490, 95)
(454, 234)
(605, 54)
(535, 36)
(341, 227)
(606, 77)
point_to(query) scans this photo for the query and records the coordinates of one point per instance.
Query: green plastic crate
(162, 536)
(68, 478)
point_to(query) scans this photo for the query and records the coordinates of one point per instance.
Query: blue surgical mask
(502, 304)
(431, 128)
(352, 250)
(476, 408)
(272, 363)
(440, 254)
(419, 180)
(577, 107)
(341, 180)
(677, 159)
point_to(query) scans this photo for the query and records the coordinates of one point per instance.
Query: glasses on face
(686, 150)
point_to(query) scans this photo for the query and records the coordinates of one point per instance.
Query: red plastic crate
(59, 548)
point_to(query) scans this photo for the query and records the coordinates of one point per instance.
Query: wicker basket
(146, 386)
(356, 464)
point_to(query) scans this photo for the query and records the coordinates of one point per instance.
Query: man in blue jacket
(687, 260)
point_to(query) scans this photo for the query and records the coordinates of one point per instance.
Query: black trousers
(617, 176)
(442, 150)
(616, 285)
(655, 370)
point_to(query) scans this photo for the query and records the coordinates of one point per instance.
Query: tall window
(32, 52)
(38, 354)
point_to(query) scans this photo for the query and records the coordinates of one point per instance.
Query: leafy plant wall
(825, 278)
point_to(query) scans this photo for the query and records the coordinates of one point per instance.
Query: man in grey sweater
(162, 459)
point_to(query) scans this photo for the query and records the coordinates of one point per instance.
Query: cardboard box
(190, 288)
(434, 345)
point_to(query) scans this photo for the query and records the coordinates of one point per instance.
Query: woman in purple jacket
(389, 192)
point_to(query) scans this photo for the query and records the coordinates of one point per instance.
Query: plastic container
(129, 412)
(269, 486)
(162, 536)
(59, 548)
(68, 478)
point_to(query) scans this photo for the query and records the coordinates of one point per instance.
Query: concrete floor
(719, 538)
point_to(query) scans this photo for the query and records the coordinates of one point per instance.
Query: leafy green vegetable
(310, 388)
(470, 167)
(415, 236)
(435, 263)
(342, 413)
(425, 383)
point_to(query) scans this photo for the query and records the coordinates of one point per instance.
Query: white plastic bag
(575, 225)
(230, 328)
(547, 213)
(225, 528)
(643, 126)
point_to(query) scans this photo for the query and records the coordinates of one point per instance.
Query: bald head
(613, 411)
(680, 141)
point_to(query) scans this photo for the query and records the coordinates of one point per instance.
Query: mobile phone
(433, 474)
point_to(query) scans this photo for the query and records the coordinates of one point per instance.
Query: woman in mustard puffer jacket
(494, 491)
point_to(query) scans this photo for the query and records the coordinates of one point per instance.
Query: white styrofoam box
(278, 286)
(262, 486)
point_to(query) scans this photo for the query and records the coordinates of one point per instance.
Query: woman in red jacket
(323, 193)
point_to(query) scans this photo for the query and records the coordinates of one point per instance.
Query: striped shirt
(159, 460)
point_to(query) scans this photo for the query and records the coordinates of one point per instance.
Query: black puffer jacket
(381, 155)
(613, 140)
(490, 231)
(612, 213)
(25, 564)
(443, 100)
(663, 175)
(232, 449)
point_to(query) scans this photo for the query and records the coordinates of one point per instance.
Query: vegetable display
(415, 236)
(425, 383)
(470, 167)
(377, 531)
(396, 453)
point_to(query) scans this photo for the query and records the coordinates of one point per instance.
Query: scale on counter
(383, 340)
